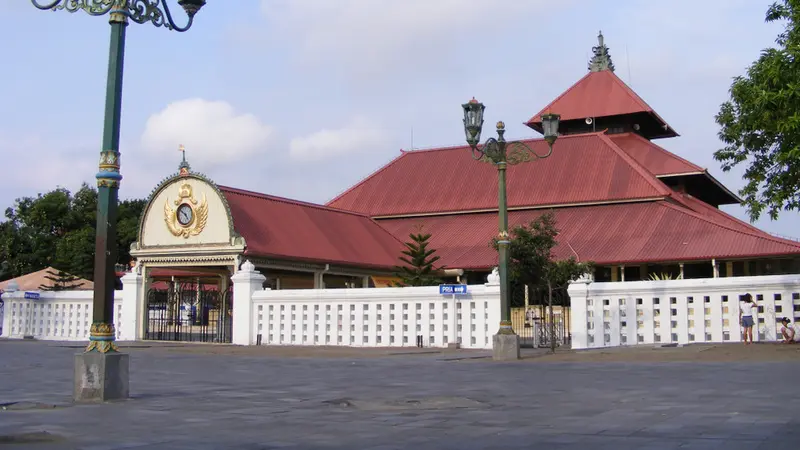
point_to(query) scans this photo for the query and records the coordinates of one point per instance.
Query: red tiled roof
(597, 94)
(654, 158)
(652, 231)
(584, 168)
(719, 216)
(283, 228)
(34, 280)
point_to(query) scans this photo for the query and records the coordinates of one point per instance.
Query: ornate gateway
(190, 216)
(189, 312)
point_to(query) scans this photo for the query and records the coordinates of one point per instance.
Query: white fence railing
(678, 311)
(62, 315)
(386, 317)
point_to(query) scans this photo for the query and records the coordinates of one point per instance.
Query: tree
(532, 263)
(58, 229)
(62, 281)
(760, 124)
(419, 262)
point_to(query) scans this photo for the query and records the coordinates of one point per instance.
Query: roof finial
(184, 168)
(601, 59)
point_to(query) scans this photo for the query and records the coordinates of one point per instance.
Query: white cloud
(372, 36)
(359, 136)
(212, 132)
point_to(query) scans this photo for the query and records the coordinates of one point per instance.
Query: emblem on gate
(190, 216)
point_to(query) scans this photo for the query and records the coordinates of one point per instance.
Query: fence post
(132, 288)
(578, 292)
(245, 282)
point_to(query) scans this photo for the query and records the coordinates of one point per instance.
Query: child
(790, 335)
(746, 316)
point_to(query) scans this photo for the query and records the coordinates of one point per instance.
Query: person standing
(746, 307)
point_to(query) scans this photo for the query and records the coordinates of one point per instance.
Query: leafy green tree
(760, 124)
(62, 281)
(58, 229)
(128, 215)
(418, 269)
(532, 264)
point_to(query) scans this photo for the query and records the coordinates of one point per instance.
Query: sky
(304, 98)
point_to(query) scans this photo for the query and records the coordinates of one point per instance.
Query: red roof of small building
(624, 233)
(585, 168)
(283, 228)
(597, 94)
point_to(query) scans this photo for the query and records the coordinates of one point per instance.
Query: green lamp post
(102, 332)
(501, 154)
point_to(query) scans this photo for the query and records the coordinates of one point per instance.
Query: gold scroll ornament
(199, 210)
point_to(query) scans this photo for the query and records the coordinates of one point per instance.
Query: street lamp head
(191, 6)
(473, 121)
(550, 127)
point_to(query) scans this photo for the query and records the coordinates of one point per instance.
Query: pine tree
(62, 281)
(419, 262)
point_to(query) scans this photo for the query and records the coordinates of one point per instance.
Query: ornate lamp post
(101, 358)
(501, 154)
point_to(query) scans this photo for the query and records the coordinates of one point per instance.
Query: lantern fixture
(550, 127)
(473, 121)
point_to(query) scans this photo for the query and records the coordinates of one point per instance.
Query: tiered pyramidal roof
(618, 197)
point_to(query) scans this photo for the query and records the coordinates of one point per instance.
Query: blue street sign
(32, 295)
(452, 288)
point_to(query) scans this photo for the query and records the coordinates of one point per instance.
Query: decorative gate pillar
(245, 282)
(132, 292)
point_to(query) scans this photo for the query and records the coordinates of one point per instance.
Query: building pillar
(245, 282)
(132, 305)
(622, 273)
(681, 275)
(365, 282)
(715, 265)
(729, 269)
(614, 274)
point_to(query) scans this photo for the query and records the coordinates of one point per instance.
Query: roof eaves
(720, 225)
(664, 151)
(410, 215)
(722, 186)
(317, 260)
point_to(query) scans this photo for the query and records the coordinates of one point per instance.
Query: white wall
(380, 317)
(678, 311)
(377, 317)
(61, 316)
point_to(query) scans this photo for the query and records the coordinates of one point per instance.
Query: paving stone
(229, 398)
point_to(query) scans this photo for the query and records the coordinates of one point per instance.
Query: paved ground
(220, 397)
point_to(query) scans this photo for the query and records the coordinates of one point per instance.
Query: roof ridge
(718, 224)
(365, 179)
(276, 198)
(532, 119)
(661, 149)
(631, 93)
(639, 168)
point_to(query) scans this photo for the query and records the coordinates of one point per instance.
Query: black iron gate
(535, 325)
(189, 312)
